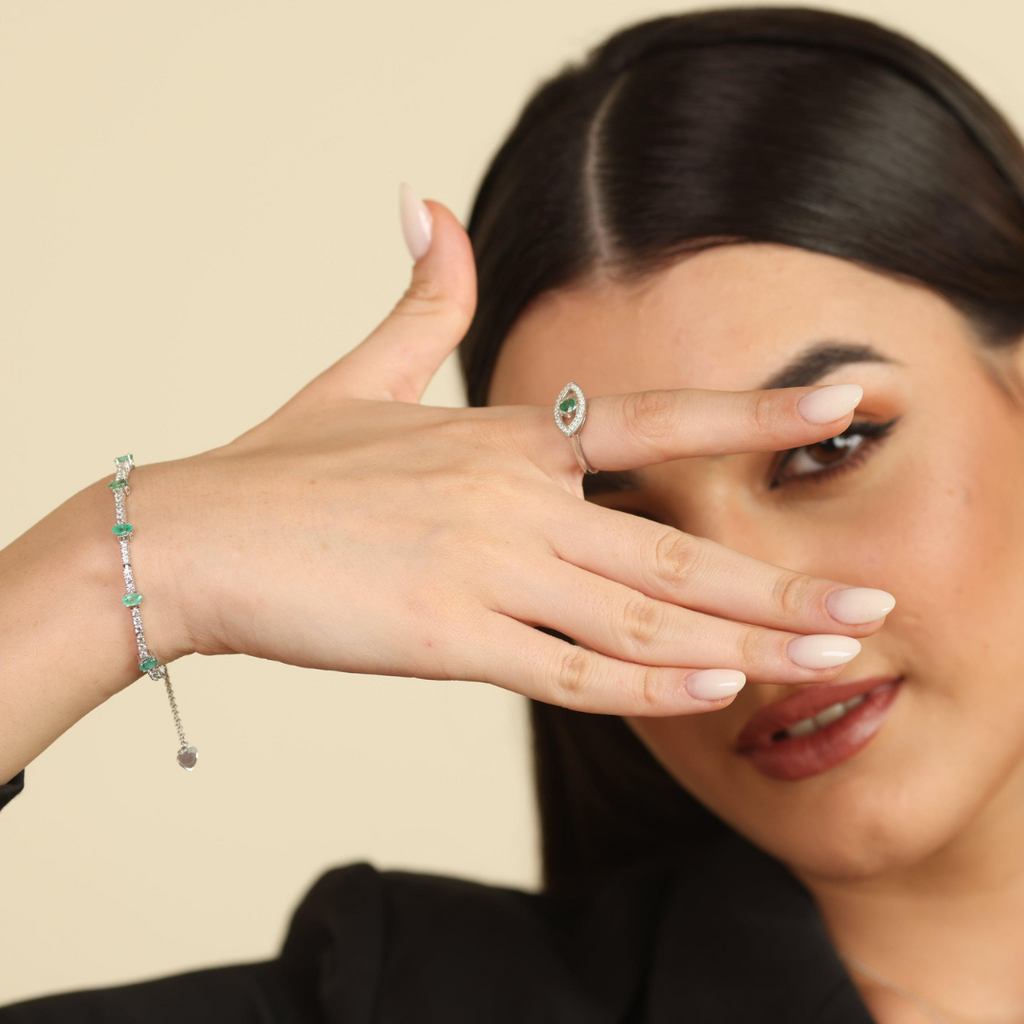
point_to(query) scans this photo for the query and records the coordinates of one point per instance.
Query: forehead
(726, 318)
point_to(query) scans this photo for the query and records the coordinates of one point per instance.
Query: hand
(358, 530)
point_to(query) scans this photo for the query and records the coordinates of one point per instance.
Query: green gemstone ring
(570, 412)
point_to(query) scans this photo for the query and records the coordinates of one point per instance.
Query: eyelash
(873, 432)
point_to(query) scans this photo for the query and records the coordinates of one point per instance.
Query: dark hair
(789, 125)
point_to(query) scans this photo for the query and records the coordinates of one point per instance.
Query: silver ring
(570, 412)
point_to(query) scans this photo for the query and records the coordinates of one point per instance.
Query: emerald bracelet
(148, 662)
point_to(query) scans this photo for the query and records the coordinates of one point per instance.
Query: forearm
(66, 639)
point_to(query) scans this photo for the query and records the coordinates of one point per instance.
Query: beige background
(198, 214)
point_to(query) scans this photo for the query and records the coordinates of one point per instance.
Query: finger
(397, 360)
(642, 428)
(520, 658)
(707, 576)
(627, 624)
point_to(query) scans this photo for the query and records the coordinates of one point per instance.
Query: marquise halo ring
(570, 412)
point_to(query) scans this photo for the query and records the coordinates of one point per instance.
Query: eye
(838, 454)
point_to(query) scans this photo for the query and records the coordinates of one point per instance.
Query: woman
(732, 228)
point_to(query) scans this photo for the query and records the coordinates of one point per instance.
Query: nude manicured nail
(714, 683)
(417, 223)
(829, 403)
(823, 650)
(854, 605)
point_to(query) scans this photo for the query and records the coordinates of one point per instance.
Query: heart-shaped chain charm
(187, 758)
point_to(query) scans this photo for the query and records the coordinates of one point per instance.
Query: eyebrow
(805, 368)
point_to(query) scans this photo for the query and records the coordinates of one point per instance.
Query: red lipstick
(781, 756)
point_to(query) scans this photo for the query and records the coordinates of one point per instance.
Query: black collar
(741, 940)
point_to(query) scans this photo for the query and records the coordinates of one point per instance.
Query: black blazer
(733, 939)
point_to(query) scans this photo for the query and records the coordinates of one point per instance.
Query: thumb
(399, 358)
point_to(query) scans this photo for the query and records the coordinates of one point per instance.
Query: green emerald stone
(117, 485)
(123, 458)
(145, 666)
(568, 405)
(131, 600)
(120, 529)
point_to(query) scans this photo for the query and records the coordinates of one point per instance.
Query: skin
(911, 848)
(474, 518)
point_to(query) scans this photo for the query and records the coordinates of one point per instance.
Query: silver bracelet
(148, 662)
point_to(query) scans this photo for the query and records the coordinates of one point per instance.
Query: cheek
(696, 751)
(950, 545)
(941, 529)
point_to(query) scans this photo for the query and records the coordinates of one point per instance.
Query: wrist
(67, 642)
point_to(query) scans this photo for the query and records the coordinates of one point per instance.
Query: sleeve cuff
(9, 790)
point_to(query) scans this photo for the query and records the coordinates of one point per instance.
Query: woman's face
(933, 513)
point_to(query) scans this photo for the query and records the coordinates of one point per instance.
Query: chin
(868, 824)
(908, 795)
(904, 797)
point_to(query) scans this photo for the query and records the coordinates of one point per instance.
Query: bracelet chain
(148, 662)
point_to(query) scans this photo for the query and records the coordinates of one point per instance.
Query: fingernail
(822, 650)
(854, 605)
(829, 403)
(417, 224)
(714, 683)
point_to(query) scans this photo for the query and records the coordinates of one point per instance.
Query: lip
(767, 721)
(797, 757)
